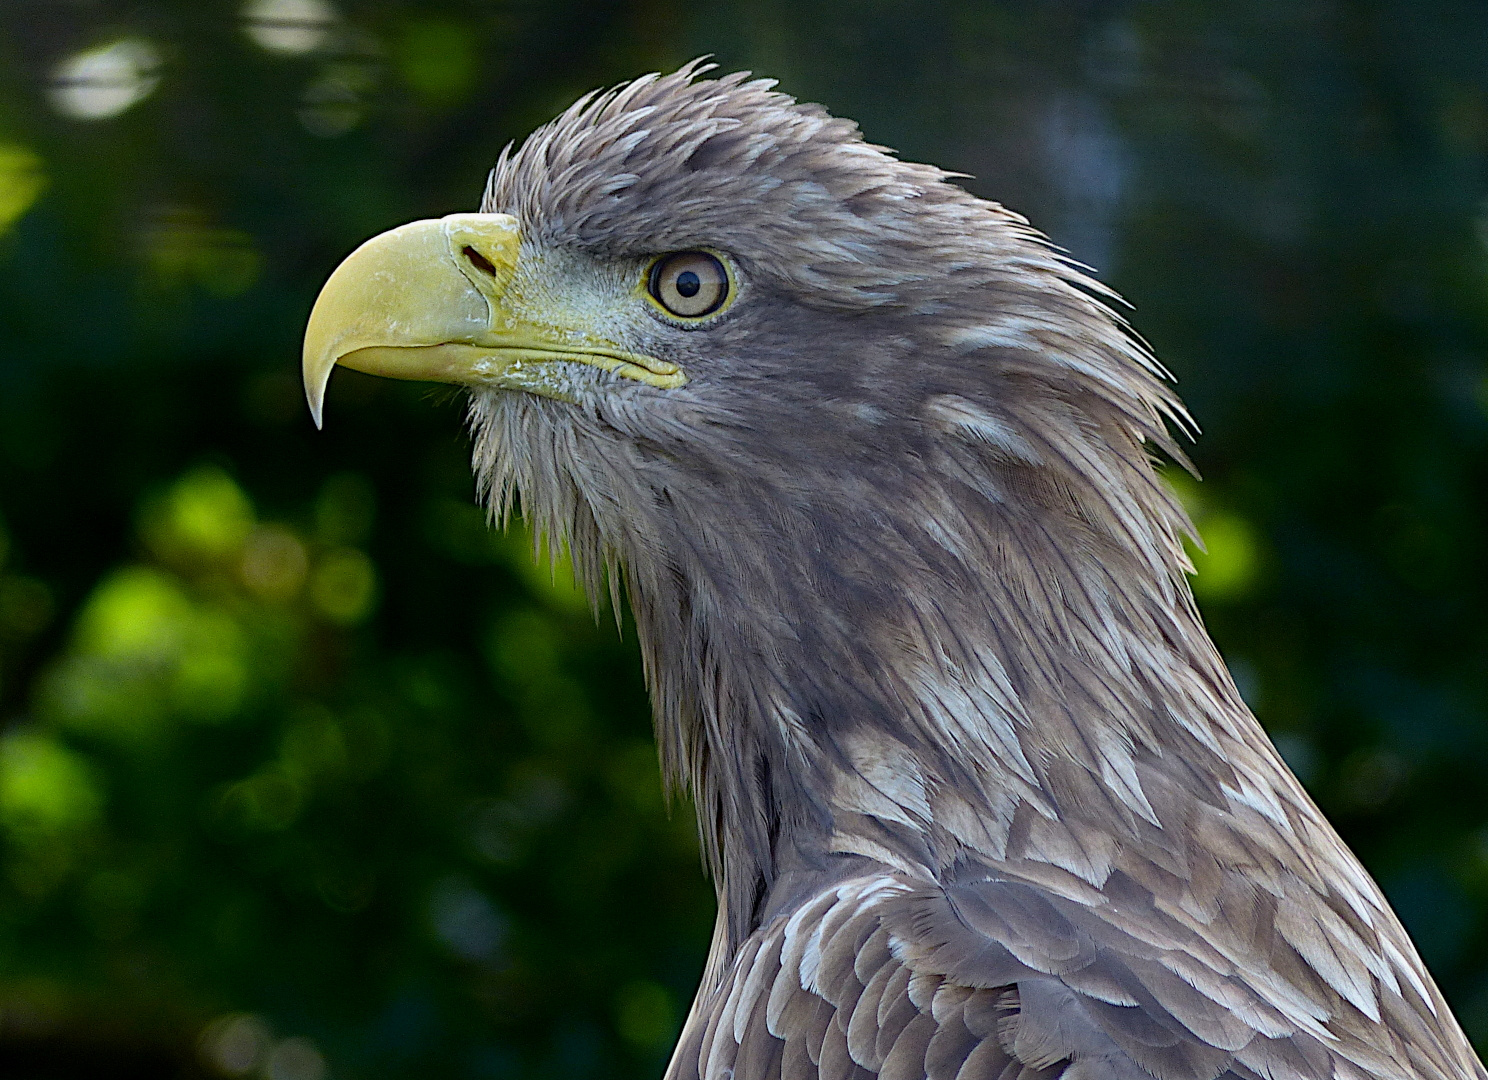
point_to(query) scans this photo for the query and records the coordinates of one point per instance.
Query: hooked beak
(431, 301)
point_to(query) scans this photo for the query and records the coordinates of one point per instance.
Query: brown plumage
(979, 796)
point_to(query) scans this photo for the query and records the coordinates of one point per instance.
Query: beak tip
(316, 375)
(315, 399)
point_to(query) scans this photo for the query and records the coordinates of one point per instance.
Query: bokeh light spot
(495, 829)
(45, 788)
(1369, 778)
(211, 676)
(645, 1015)
(105, 81)
(345, 506)
(313, 745)
(275, 563)
(292, 27)
(204, 515)
(344, 586)
(1229, 564)
(1226, 569)
(138, 614)
(335, 99)
(21, 181)
(235, 1044)
(268, 801)
(466, 920)
(143, 653)
(183, 247)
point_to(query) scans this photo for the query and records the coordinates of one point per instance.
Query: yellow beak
(433, 300)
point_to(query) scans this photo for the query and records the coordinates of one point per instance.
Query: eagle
(875, 464)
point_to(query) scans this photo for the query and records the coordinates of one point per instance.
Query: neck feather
(997, 657)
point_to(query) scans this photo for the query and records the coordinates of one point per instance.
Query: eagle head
(870, 455)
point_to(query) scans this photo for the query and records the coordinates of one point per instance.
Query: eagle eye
(689, 284)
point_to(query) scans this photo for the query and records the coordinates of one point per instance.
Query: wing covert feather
(996, 979)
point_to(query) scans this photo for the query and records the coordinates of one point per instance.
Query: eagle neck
(1006, 683)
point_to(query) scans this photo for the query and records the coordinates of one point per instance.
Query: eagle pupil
(688, 284)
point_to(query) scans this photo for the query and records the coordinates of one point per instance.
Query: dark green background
(303, 772)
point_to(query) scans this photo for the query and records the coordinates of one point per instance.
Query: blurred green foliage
(306, 772)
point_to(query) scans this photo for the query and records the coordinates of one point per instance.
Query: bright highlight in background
(105, 81)
(21, 181)
(1229, 563)
(289, 26)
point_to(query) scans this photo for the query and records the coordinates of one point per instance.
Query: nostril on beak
(477, 260)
